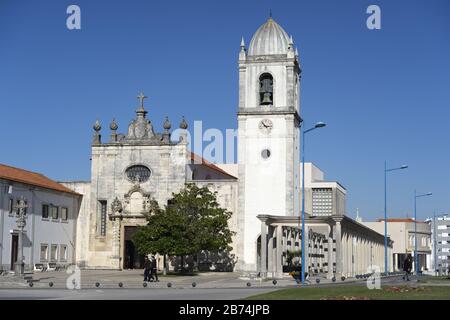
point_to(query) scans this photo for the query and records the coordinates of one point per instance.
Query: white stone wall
(109, 162)
(82, 230)
(227, 195)
(266, 186)
(38, 230)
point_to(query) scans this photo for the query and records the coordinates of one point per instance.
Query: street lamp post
(386, 170)
(416, 256)
(318, 125)
(434, 245)
(21, 223)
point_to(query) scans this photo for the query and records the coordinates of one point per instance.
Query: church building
(262, 190)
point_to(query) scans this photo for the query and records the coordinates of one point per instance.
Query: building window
(45, 211)
(322, 201)
(103, 206)
(64, 214)
(265, 154)
(55, 213)
(44, 252)
(11, 206)
(266, 89)
(63, 253)
(54, 252)
(138, 173)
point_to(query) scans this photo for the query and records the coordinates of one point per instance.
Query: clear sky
(384, 94)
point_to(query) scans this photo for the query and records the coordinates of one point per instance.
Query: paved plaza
(208, 286)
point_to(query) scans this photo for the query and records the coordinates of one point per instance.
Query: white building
(440, 257)
(49, 235)
(402, 232)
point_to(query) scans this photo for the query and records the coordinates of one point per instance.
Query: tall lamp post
(386, 170)
(318, 125)
(434, 245)
(21, 223)
(416, 256)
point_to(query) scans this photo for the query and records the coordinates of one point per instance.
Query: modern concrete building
(322, 197)
(49, 234)
(402, 232)
(440, 257)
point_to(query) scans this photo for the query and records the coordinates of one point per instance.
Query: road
(131, 294)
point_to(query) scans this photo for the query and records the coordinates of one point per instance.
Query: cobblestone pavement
(134, 279)
(208, 286)
(109, 279)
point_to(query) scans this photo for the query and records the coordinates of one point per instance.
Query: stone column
(116, 242)
(285, 247)
(339, 269)
(263, 253)
(360, 257)
(395, 258)
(270, 267)
(330, 253)
(279, 252)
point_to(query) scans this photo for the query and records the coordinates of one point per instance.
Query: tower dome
(270, 38)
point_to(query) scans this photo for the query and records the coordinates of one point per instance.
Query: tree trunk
(165, 265)
(196, 262)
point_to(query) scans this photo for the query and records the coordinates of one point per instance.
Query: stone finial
(183, 124)
(167, 125)
(296, 52)
(243, 52)
(97, 126)
(113, 125)
(97, 139)
(291, 44)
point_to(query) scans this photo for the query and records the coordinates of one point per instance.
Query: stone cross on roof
(141, 98)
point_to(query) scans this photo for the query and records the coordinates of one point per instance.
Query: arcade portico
(337, 246)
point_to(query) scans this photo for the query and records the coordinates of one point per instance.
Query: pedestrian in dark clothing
(147, 269)
(154, 273)
(407, 267)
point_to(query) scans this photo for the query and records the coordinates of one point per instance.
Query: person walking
(407, 266)
(147, 269)
(154, 273)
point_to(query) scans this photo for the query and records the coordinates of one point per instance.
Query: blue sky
(383, 93)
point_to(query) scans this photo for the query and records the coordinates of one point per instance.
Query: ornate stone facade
(262, 190)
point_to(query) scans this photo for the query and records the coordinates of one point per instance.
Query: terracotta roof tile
(32, 178)
(200, 160)
(401, 220)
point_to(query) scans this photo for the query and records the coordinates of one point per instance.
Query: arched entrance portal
(131, 257)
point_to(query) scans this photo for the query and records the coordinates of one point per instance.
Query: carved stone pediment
(137, 201)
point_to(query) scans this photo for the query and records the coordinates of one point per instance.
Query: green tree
(192, 221)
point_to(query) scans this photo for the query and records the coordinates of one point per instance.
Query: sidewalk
(133, 279)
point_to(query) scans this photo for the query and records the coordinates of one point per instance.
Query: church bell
(267, 99)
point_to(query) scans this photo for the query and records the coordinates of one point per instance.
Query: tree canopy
(192, 221)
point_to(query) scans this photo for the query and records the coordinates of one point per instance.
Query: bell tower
(268, 134)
